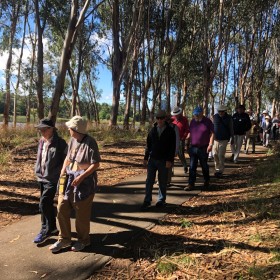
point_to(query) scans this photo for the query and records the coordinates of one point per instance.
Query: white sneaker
(59, 245)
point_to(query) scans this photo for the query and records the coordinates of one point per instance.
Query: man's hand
(209, 148)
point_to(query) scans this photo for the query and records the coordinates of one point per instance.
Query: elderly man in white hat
(183, 126)
(223, 131)
(80, 164)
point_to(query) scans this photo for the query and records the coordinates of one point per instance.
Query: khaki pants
(83, 213)
(219, 151)
(236, 147)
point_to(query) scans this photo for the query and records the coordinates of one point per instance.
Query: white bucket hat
(78, 124)
(222, 108)
(176, 111)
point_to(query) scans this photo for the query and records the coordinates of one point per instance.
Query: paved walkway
(116, 220)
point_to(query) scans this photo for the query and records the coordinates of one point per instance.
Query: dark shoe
(160, 204)
(189, 187)
(231, 158)
(145, 206)
(253, 152)
(186, 170)
(206, 185)
(218, 174)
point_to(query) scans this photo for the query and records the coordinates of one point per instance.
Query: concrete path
(116, 220)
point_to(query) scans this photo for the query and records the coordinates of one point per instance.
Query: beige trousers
(83, 213)
(219, 151)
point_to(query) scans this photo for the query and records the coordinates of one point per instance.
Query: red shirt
(183, 126)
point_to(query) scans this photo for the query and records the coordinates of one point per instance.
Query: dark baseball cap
(46, 122)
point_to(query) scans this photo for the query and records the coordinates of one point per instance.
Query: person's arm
(65, 164)
(210, 145)
(78, 180)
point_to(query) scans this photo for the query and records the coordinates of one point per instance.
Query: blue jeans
(46, 207)
(155, 165)
(200, 154)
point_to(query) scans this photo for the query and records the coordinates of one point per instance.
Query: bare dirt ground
(19, 193)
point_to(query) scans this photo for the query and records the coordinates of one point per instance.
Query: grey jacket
(55, 157)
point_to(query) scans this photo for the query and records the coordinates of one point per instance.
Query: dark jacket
(241, 123)
(223, 127)
(163, 147)
(55, 157)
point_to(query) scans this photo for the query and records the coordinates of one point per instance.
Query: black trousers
(46, 207)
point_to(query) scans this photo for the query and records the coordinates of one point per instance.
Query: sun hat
(222, 108)
(78, 124)
(46, 122)
(265, 112)
(160, 114)
(267, 117)
(176, 111)
(197, 110)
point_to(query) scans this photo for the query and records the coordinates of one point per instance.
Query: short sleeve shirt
(87, 151)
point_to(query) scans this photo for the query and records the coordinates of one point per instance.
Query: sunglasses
(160, 118)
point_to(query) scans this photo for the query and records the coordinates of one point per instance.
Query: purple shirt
(200, 132)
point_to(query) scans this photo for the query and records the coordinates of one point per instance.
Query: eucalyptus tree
(10, 11)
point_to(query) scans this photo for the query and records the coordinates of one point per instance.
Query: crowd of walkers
(172, 135)
(203, 137)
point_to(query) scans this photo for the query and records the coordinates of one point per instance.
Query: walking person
(159, 157)
(241, 124)
(183, 125)
(51, 153)
(199, 142)
(266, 131)
(175, 127)
(223, 131)
(80, 165)
(275, 127)
(252, 136)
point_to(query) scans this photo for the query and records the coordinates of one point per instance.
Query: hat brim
(42, 126)
(176, 113)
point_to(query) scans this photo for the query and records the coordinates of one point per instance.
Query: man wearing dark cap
(159, 156)
(241, 124)
(52, 150)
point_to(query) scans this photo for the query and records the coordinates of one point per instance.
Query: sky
(104, 82)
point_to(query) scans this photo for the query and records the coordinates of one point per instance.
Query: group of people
(172, 135)
(200, 137)
(79, 160)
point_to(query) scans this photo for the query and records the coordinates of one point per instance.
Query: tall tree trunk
(73, 29)
(15, 13)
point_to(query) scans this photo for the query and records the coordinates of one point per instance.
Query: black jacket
(55, 157)
(241, 123)
(163, 147)
(223, 127)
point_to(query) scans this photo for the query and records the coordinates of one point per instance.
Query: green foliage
(186, 224)
(166, 268)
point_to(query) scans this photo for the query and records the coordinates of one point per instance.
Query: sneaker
(53, 232)
(41, 237)
(59, 245)
(145, 206)
(79, 246)
(160, 204)
(189, 187)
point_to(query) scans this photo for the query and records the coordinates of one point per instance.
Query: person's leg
(203, 157)
(83, 214)
(234, 146)
(162, 179)
(47, 209)
(193, 165)
(151, 176)
(239, 142)
(222, 153)
(169, 174)
(64, 208)
(253, 141)
(216, 156)
(181, 155)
